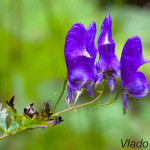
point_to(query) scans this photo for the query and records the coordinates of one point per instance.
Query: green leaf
(30, 119)
(15, 115)
(13, 126)
(27, 122)
(3, 115)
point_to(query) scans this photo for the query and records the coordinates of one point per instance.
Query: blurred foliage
(32, 67)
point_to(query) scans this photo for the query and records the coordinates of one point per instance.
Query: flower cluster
(82, 73)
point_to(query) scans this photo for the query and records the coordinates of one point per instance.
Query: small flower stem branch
(100, 93)
(64, 85)
(118, 93)
(21, 129)
(72, 108)
(4, 136)
(113, 99)
(12, 133)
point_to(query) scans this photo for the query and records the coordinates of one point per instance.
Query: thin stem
(17, 131)
(81, 104)
(12, 133)
(4, 136)
(64, 85)
(112, 100)
(101, 92)
(118, 93)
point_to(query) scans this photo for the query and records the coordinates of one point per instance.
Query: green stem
(64, 85)
(118, 93)
(101, 92)
(12, 133)
(18, 130)
(80, 105)
(4, 136)
(112, 100)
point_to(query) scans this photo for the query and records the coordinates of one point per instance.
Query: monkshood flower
(80, 54)
(134, 82)
(108, 65)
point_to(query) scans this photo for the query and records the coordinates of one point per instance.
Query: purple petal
(106, 60)
(131, 59)
(71, 94)
(69, 91)
(124, 102)
(99, 80)
(102, 64)
(112, 83)
(90, 47)
(80, 71)
(95, 75)
(115, 64)
(105, 41)
(79, 76)
(139, 86)
(76, 41)
(80, 55)
(68, 100)
(90, 91)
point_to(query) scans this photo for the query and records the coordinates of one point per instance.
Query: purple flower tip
(108, 65)
(133, 81)
(107, 22)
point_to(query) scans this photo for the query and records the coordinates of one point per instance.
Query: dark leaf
(11, 103)
(30, 111)
(46, 112)
(58, 119)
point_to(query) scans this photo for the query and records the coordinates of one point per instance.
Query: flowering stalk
(31, 119)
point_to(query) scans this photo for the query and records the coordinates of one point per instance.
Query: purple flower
(108, 65)
(80, 54)
(134, 82)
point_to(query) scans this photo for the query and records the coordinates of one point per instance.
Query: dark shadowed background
(32, 67)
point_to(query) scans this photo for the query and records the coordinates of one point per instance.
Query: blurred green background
(32, 67)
